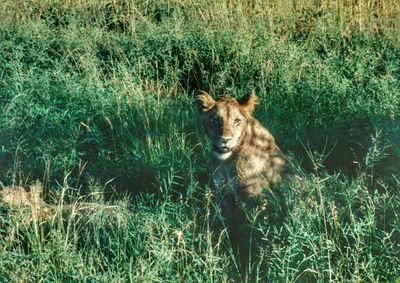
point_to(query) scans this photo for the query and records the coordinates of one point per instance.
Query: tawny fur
(245, 159)
(18, 198)
(37, 209)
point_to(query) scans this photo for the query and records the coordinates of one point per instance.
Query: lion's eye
(237, 121)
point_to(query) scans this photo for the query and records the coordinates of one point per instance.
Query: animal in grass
(245, 157)
(17, 197)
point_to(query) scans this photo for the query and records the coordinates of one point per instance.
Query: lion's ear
(248, 102)
(204, 101)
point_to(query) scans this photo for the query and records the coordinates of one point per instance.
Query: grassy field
(97, 101)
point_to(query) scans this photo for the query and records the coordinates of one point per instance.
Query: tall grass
(97, 100)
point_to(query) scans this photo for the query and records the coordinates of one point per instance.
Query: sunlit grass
(97, 104)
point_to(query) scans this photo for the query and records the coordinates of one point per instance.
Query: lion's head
(225, 121)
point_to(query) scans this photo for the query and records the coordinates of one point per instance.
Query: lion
(245, 157)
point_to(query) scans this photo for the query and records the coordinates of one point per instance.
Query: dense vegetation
(97, 101)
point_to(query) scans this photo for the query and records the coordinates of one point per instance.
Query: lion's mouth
(222, 149)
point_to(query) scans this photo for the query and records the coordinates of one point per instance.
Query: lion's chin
(222, 156)
(222, 153)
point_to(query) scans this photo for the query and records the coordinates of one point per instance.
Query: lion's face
(225, 121)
